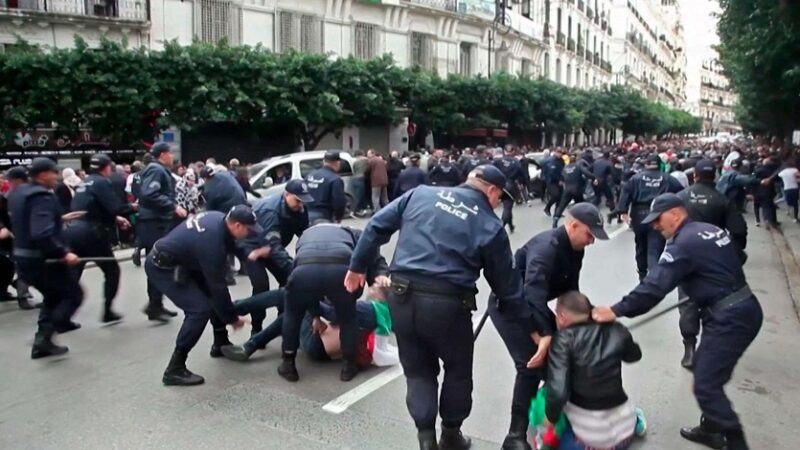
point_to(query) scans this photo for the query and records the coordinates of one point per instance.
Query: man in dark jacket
(603, 180)
(411, 177)
(393, 169)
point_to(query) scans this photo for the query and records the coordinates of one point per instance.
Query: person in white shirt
(732, 156)
(680, 175)
(789, 177)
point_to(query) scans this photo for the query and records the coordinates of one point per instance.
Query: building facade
(717, 101)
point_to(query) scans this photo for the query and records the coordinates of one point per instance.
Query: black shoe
(735, 440)
(688, 354)
(24, 304)
(43, 345)
(349, 370)
(547, 212)
(239, 353)
(511, 228)
(66, 327)
(158, 314)
(287, 370)
(110, 316)
(517, 437)
(216, 350)
(427, 440)
(177, 374)
(452, 439)
(136, 257)
(168, 312)
(706, 434)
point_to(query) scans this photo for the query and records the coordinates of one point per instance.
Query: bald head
(571, 308)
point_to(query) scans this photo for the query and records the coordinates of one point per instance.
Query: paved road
(107, 392)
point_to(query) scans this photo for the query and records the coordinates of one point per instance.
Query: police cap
(332, 155)
(652, 161)
(99, 162)
(42, 164)
(299, 189)
(493, 176)
(159, 148)
(663, 203)
(705, 167)
(414, 157)
(589, 215)
(17, 173)
(242, 214)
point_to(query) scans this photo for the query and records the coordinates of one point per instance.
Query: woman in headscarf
(187, 196)
(65, 190)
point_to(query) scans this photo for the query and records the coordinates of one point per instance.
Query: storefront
(74, 152)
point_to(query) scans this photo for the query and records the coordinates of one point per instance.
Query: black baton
(91, 259)
(655, 316)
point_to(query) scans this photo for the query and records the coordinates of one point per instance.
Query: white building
(717, 101)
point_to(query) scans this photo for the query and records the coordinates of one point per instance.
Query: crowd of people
(194, 221)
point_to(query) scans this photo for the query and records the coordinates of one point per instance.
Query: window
(546, 65)
(309, 165)
(465, 59)
(301, 32)
(215, 24)
(558, 70)
(558, 16)
(569, 27)
(279, 174)
(365, 40)
(569, 74)
(422, 51)
(344, 168)
(526, 8)
(526, 67)
(578, 78)
(586, 81)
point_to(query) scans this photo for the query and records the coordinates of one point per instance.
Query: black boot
(427, 440)
(220, 340)
(707, 433)
(157, 314)
(136, 257)
(110, 316)
(43, 345)
(736, 440)
(688, 353)
(239, 352)
(177, 374)
(287, 369)
(66, 327)
(517, 437)
(349, 370)
(452, 439)
(24, 303)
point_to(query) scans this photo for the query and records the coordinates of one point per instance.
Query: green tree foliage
(128, 94)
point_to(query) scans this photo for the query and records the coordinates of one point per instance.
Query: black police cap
(332, 155)
(99, 162)
(242, 214)
(42, 164)
(661, 204)
(159, 148)
(17, 173)
(589, 215)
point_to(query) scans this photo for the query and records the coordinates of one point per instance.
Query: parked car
(537, 186)
(270, 176)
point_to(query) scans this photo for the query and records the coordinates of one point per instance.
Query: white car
(270, 176)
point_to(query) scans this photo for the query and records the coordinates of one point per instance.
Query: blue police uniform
(327, 188)
(640, 190)
(512, 169)
(37, 226)
(703, 260)
(410, 178)
(156, 218)
(576, 175)
(91, 236)
(189, 265)
(447, 236)
(472, 163)
(444, 173)
(602, 170)
(322, 256)
(222, 192)
(554, 177)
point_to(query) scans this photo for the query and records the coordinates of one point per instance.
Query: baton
(655, 316)
(481, 324)
(92, 259)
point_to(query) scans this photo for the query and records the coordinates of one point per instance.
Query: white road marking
(344, 401)
(618, 231)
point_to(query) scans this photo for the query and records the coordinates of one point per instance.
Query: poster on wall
(481, 8)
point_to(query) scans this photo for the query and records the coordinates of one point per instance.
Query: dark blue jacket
(701, 259)
(278, 225)
(36, 220)
(409, 179)
(553, 169)
(222, 192)
(96, 196)
(156, 193)
(449, 234)
(444, 173)
(576, 174)
(334, 244)
(202, 244)
(327, 188)
(511, 168)
(643, 187)
(602, 170)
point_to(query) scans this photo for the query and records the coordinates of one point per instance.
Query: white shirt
(789, 178)
(602, 428)
(732, 156)
(681, 177)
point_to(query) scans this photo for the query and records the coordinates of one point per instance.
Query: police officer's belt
(402, 284)
(731, 299)
(163, 260)
(28, 253)
(302, 261)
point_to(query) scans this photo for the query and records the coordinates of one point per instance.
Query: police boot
(136, 257)
(66, 327)
(688, 353)
(177, 374)
(110, 316)
(24, 303)
(287, 369)
(707, 433)
(349, 370)
(43, 345)
(220, 340)
(157, 314)
(735, 440)
(452, 439)
(427, 440)
(517, 437)
(238, 352)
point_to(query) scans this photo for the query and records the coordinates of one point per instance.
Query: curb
(791, 268)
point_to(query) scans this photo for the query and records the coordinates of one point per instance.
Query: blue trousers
(148, 232)
(62, 293)
(256, 306)
(726, 335)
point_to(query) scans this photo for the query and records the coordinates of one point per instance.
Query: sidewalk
(787, 242)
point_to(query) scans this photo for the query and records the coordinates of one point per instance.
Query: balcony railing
(138, 10)
(588, 57)
(596, 59)
(589, 13)
(581, 49)
(606, 65)
(571, 44)
(560, 38)
(447, 5)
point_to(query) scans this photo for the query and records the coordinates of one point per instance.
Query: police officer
(136, 192)
(444, 173)
(322, 256)
(512, 169)
(189, 266)
(638, 193)
(733, 184)
(550, 265)
(221, 191)
(327, 188)
(91, 235)
(411, 177)
(37, 226)
(706, 204)
(478, 158)
(576, 176)
(554, 178)
(447, 235)
(703, 260)
(603, 180)
(157, 212)
(16, 176)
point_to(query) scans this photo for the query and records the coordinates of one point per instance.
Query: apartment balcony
(604, 25)
(581, 49)
(446, 5)
(580, 5)
(125, 10)
(588, 57)
(560, 39)
(589, 13)
(606, 65)
(596, 60)
(571, 44)
(609, 30)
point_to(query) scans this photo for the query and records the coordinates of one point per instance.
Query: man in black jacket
(585, 377)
